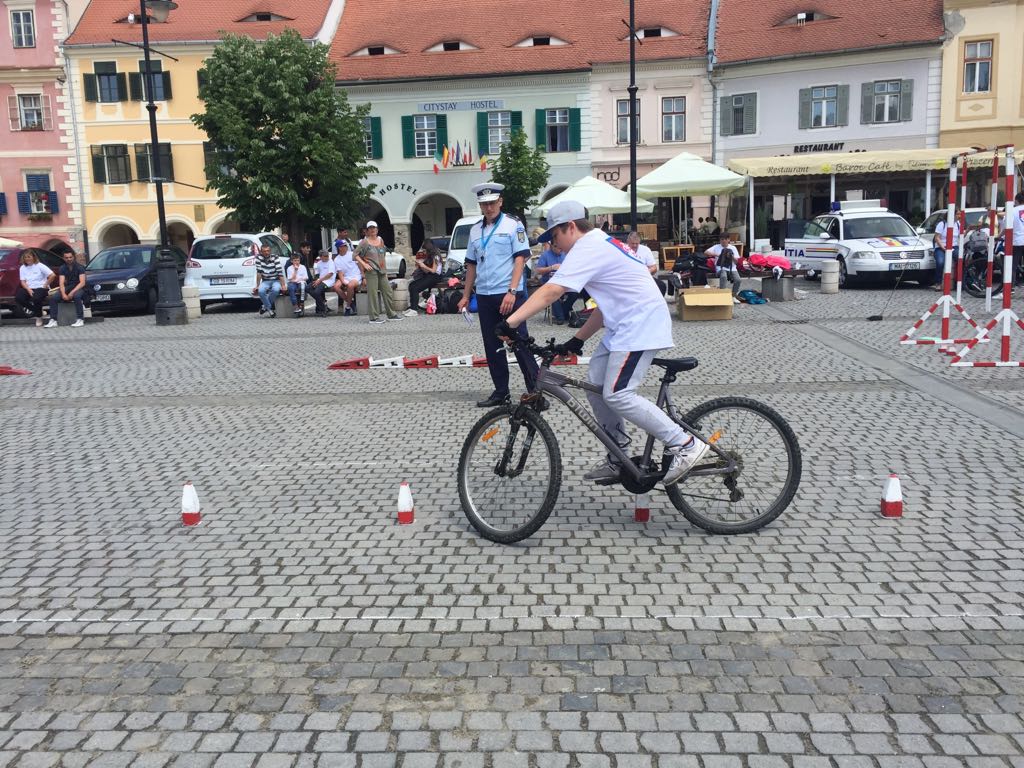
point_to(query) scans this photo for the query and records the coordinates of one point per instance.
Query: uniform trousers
(489, 312)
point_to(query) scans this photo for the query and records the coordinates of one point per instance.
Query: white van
(459, 243)
(867, 240)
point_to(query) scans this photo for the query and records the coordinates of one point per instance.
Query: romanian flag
(483, 162)
(444, 158)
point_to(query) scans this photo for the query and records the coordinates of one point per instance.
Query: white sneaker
(603, 472)
(735, 300)
(51, 324)
(411, 313)
(683, 460)
(78, 323)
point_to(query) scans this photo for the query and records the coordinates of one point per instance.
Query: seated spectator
(635, 244)
(34, 283)
(70, 287)
(324, 271)
(347, 277)
(342, 238)
(548, 263)
(712, 225)
(298, 276)
(426, 275)
(726, 263)
(269, 281)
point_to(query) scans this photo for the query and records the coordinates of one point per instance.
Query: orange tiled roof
(594, 31)
(199, 20)
(750, 29)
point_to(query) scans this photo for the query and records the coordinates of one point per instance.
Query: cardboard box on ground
(705, 304)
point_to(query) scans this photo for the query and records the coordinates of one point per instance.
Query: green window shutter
(541, 124)
(99, 167)
(135, 92)
(483, 141)
(725, 115)
(906, 100)
(166, 77)
(575, 129)
(805, 108)
(750, 113)
(142, 162)
(376, 139)
(408, 137)
(867, 103)
(122, 86)
(166, 161)
(442, 130)
(843, 105)
(91, 91)
(517, 121)
(201, 80)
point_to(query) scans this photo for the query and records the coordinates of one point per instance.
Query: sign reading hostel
(476, 105)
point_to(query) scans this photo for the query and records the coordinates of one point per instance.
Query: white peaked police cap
(487, 192)
(560, 213)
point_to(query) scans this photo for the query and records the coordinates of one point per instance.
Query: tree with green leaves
(524, 172)
(287, 148)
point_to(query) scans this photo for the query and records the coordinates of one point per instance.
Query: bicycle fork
(501, 468)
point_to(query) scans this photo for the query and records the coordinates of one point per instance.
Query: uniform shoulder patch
(521, 234)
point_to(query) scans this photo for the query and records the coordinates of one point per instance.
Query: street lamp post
(632, 115)
(170, 309)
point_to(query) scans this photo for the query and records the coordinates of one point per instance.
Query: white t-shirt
(940, 233)
(635, 315)
(716, 251)
(297, 274)
(34, 275)
(345, 267)
(325, 268)
(646, 254)
(1018, 225)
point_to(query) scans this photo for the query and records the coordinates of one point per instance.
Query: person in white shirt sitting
(34, 279)
(636, 245)
(324, 271)
(297, 276)
(348, 276)
(727, 260)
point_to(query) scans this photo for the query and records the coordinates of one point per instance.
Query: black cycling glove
(504, 331)
(573, 346)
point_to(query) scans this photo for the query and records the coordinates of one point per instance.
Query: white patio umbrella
(597, 197)
(5, 243)
(687, 175)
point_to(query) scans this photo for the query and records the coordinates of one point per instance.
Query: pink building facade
(38, 177)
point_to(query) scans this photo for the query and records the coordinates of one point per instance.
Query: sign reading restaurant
(476, 105)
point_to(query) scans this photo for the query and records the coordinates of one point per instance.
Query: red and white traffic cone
(190, 513)
(892, 497)
(642, 508)
(406, 507)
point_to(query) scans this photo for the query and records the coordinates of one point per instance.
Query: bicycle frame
(557, 385)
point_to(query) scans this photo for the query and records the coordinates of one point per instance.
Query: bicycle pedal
(608, 481)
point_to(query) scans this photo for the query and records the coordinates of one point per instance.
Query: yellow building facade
(983, 74)
(113, 139)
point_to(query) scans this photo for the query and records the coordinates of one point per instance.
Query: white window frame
(886, 96)
(622, 121)
(157, 80)
(821, 97)
(368, 135)
(677, 117)
(30, 42)
(425, 135)
(40, 201)
(557, 119)
(974, 65)
(24, 110)
(499, 130)
(108, 157)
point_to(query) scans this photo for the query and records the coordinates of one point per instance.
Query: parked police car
(867, 240)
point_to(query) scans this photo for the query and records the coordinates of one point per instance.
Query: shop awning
(880, 161)
(688, 175)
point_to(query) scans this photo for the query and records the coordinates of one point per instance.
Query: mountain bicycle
(510, 468)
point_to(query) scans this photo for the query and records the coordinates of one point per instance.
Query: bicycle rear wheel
(510, 471)
(767, 473)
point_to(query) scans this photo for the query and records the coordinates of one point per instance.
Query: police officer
(495, 262)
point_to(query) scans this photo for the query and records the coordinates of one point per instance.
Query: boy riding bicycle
(637, 323)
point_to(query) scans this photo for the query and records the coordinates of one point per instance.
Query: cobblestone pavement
(300, 626)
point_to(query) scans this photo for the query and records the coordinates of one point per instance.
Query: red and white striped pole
(1011, 184)
(963, 231)
(993, 218)
(947, 267)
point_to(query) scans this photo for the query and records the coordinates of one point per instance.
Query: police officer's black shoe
(493, 400)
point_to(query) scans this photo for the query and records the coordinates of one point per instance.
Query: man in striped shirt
(269, 280)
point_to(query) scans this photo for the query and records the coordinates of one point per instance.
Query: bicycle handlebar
(546, 352)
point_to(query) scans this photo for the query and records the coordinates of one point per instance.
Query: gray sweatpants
(619, 374)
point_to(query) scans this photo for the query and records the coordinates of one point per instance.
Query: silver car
(223, 267)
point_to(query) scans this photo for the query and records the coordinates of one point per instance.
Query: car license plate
(223, 281)
(905, 265)
(101, 297)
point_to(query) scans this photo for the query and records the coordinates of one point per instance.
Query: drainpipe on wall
(78, 155)
(712, 30)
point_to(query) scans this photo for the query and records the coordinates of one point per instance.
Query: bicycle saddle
(676, 364)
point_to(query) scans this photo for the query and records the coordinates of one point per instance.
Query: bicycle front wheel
(767, 474)
(509, 474)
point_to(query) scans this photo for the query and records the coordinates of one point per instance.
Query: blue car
(124, 278)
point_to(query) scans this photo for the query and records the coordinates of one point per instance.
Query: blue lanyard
(486, 240)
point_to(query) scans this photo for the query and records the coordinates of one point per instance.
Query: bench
(777, 290)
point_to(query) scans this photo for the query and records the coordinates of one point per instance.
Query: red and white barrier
(191, 513)
(433, 362)
(1006, 319)
(642, 508)
(6, 370)
(406, 507)
(892, 497)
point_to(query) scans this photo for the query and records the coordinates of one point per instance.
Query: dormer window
(374, 50)
(451, 45)
(649, 33)
(264, 16)
(540, 40)
(652, 32)
(803, 17)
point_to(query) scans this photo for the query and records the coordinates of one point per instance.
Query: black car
(124, 277)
